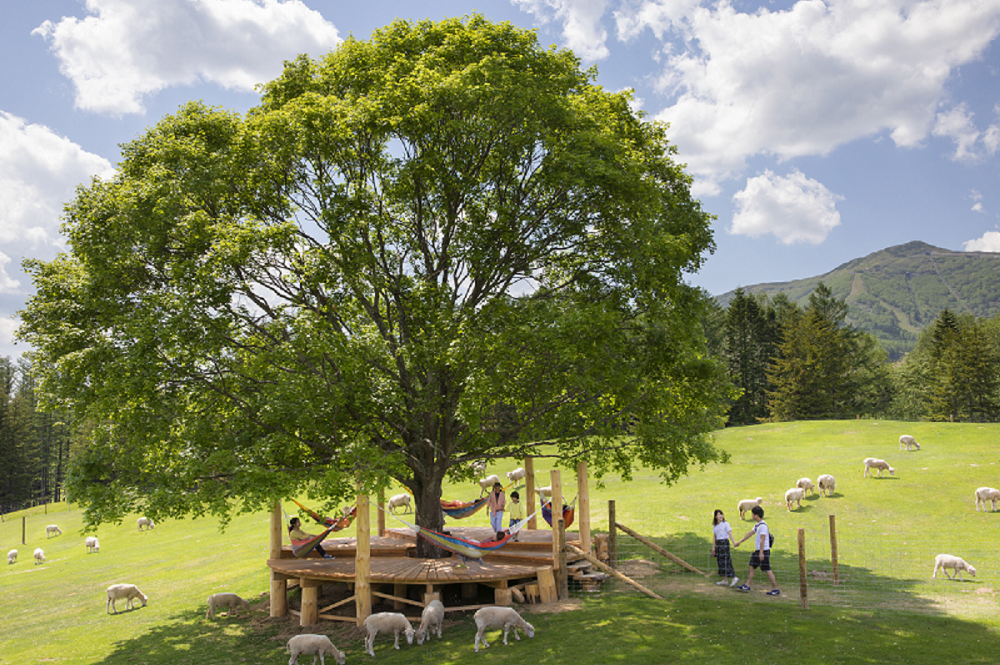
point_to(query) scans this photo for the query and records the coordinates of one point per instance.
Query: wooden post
(362, 561)
(583, 505)
(381, 513)
(310, 602)
(803, 586)
(833, 549)
(399, 591)
(279, 587)
(23, 518)
(556, 479)
(563, 579)
(612, 536)
(529, 489)
(546, 586)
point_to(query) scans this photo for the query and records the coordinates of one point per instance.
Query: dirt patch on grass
(556, 607)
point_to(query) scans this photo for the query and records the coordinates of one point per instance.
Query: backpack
(770, 536)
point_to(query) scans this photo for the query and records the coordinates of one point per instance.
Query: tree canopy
(442, 244)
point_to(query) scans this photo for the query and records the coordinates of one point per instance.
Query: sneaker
(743, 587)
(721, 583)
(774, 592)
(735, 580)
(328, 556)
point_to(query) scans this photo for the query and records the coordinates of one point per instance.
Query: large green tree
(442, 244)
(752, 334)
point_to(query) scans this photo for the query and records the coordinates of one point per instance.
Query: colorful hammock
(302, 548)
(472, 549)
(461, 509)
(569, 512)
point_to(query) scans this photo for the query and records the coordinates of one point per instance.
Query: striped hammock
(302, 548)
(569, 512)
(461, 509)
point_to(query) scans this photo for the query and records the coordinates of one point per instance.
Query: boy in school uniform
(761, 558)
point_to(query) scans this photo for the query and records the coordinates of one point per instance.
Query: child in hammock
(295, 532)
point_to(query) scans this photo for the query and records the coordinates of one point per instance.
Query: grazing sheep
(984, 494)
(880, 464)
(908, 441)
(230, 601)
(806, 484)
(398, 501)
(794, 495)
(478, 467)
(516, 474)
(430, 619)
(11, 557)
(93, 545)
(746, 505)
(39, 556)
(500, 617)
(144, 522)
(946, 561)
(486, 484)
(127, 592)
(52, 529)
(384, 622)
(313, 645)
(827, 484)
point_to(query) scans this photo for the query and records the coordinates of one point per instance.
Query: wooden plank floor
(403, 570)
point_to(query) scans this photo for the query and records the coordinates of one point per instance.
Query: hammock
(472, 549)
(460, 509)
(569, 512)
(302, 548)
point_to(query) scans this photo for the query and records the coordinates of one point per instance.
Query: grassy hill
(888, 533)
(897, 291)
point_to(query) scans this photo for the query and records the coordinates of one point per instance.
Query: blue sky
(817, 131)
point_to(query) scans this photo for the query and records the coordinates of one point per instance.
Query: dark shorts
(762, 562)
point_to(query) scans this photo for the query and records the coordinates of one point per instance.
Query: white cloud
(805, 80)
(990, 242)
(794, 209)
(127, 49)
(958, 124)
(7, 283)
(581, 21)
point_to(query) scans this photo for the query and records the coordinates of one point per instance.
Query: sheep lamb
(93, 545)
(398, 501)
(958, 564)
(384, 622)
(984, 494)
(880, 464)
(431, 620)
(827, 484)
(909, 442)
(126, 592)
(230, 601)
(506, 618)
(794, 495)
(39, 556)
(746, 505)
(516, 475)
(806, 484)
(11, 557)
(52, 529)
(487, 483)
(144, 522)
(313, 645)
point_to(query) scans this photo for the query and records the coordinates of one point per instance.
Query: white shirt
(761, 538)
(722, 531)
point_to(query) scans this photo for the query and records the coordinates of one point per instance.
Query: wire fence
(889, 574)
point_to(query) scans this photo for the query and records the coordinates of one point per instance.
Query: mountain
(897, 291)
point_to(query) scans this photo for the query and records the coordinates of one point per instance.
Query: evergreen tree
(751, 341)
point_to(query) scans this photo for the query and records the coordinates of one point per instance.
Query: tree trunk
(427, 493)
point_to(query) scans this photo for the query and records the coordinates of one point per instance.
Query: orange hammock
(302, 548)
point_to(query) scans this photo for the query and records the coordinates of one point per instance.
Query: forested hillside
(895, 293)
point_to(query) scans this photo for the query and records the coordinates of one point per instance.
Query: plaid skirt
(723, 559)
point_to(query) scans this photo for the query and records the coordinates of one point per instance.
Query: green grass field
(888, 533)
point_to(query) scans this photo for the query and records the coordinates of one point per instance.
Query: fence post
(563, 578)
(23, 529)
(833, 549)
(803, 587)
(556, 506)
(612, 536)
(583, 508)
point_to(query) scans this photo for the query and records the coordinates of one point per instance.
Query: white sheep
(430, 619)
(11, 557)
(39, 556)
(487, 483)
(478, 467)
(384, 622)
(230, 601)
(93, 545)
(127, 592)
(827, 484)
(908, 441)
(746, 505)
(52, 529)
(794, 495)
(313, 645)
(500, 617)
(144, 522)
(806, 484)
(397, 501)
(984, 494)
(880, 464)
(516, 474)
(946, 561)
